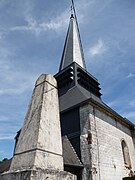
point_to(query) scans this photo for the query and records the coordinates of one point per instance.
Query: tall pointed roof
(72, 72)
(73, 51)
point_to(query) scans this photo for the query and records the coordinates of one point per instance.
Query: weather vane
(73, 13)
(73, 8)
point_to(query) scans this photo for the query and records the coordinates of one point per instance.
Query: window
(126, 155)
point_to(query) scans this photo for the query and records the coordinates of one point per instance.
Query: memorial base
(38, 174)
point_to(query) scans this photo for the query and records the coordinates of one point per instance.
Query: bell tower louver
(73, 79)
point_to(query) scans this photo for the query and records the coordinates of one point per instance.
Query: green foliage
(5, 159)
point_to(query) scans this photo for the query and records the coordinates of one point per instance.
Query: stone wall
(40, 174)
(103, 159)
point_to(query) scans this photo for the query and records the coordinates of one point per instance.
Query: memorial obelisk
(38, 152)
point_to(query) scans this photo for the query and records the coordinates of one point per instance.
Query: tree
(5, 159)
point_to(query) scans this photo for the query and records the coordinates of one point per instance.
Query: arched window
(126, 155)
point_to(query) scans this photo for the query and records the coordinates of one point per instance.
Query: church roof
(77, 95)
(73, 51)
(69, 154)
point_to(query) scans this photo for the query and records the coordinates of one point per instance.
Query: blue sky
(32, 35)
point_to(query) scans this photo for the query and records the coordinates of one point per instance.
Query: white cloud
(5, 53)
(20, 89)
(32, 25)
(132, 103)
(118, 105)
(13, 81)
(7, 136)
(4, 118)
(130, 75)
(38, 26)
(16, 83)
(57, 24)
(98, 49)
(8, 130)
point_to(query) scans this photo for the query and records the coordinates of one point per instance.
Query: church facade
(97, 143)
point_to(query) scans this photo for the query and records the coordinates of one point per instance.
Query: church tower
(76, 87)
(86, 121)
(72, 72)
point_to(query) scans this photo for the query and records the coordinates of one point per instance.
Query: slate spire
(73, 51)
(73, 76)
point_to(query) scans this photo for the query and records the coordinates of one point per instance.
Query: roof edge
(106, 110)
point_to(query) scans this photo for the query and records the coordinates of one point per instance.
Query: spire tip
(72, 16)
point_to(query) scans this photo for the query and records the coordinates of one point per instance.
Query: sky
(32, 35)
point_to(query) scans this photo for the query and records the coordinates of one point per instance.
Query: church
(97, 142)
(103, 140)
